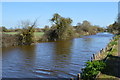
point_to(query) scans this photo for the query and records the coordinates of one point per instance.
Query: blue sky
(98, 13)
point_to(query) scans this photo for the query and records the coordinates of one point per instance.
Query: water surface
(60, 59)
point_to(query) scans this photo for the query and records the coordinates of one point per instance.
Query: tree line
(61, 29)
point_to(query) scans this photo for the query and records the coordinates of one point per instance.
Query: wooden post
(82, 69)
(93, 56)
(119, 47)
(91, 59)
(99, 54)
(71, 78)
(101, 51)
(106, 48)
(78, 76)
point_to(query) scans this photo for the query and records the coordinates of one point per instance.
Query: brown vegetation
(9, 40)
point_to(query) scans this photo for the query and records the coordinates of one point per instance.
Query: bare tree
(26, 34)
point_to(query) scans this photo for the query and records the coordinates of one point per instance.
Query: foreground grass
(110, 59)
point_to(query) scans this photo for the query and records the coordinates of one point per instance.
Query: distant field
(10, 32)
(36, 33)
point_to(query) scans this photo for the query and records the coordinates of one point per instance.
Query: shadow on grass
(112, 66)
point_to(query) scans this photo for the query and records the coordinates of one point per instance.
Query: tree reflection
(28, 53)
(62, 55)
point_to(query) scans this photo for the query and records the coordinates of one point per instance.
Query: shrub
(26, 37)
(61, 29)
(4, 29)
(113, 43)
(26, 34)
(87, 27)
(92, 69)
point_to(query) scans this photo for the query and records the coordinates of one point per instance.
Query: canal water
(60, 59)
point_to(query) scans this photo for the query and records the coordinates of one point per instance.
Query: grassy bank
(107, 63)
(11, 33)
(11, 38)
(37, 35)
(112, 70)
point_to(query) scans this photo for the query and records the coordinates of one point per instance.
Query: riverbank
(112, 70)
(11, 38)
(109, 57)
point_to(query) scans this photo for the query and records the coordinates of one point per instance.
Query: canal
(60, 59)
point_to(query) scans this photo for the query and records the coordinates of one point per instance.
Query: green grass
(10, 33)
(113, 43)
(36, 33)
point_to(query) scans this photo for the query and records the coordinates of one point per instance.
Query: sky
(97, 13)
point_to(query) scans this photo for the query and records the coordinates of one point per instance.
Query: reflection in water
(51, 59)
(20, 60)
(87, 41)
(28, 53)
(63, 51)
(7, 50)
(61, 57)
